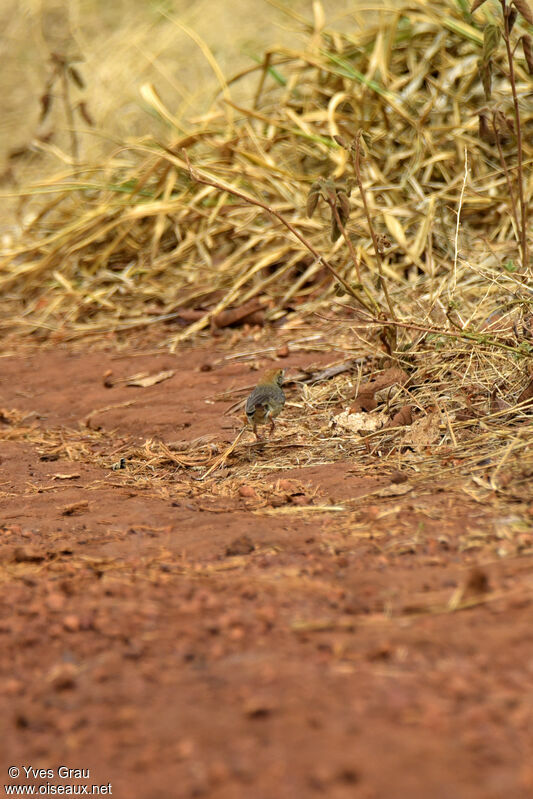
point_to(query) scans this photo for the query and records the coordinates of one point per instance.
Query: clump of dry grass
(138, 242)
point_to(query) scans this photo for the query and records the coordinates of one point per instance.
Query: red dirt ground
(382, 652)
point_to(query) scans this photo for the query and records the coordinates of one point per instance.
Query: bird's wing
(262, 395)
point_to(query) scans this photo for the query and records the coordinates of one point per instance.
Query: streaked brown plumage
(266, 400)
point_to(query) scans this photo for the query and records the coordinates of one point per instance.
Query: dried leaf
(335, 229)
(485, 73)
(527, 46)
(150, 380)
(527, 393)
(343, 210)
(65, 476)
(343, 205)
(365, 400)
(524, 9)
(313, 198)
(511, 18)
(486, 133)
(312, 202)
(341, 142)
(475, 5)
(403, 417)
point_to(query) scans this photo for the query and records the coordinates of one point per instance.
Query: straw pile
(138, 241)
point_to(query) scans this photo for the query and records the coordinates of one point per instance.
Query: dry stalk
(224, 187)
(332, 202)
(355, 156)
(507, 175)
(219, 462)
(479, 338)
(458, 222)
(507, 10)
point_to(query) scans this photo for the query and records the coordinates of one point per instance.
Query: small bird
(266, 400)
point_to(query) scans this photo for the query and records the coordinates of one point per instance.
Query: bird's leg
(257, 436)
(272, 427)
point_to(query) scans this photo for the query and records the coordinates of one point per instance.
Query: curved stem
(512, 80)
(208, 181)
(357, 169)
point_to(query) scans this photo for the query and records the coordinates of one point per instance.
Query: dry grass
(138, 242)
(135, 242)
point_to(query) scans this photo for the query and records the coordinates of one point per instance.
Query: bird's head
(273, 377)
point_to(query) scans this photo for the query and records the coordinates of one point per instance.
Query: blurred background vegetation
(124, 44)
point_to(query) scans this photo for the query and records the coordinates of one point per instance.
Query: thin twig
(355, 152)
(520, 157)
(335, 211)
(507, 175)
(479, 338)
(458, 223)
